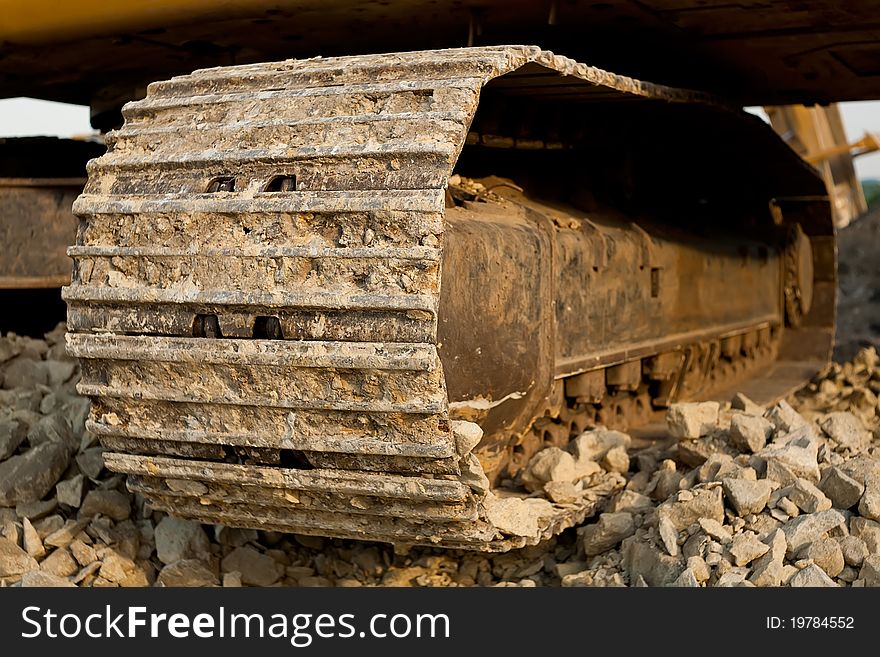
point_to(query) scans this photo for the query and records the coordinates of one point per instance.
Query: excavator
(345, 268)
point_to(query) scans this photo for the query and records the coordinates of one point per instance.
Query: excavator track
(256, 288)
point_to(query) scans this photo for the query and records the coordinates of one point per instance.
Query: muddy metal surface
(218, 213)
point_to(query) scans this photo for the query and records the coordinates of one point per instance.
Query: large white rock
(178, 539)
(692, 420)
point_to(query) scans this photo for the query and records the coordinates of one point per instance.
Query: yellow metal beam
(869, 143)
(36, 21)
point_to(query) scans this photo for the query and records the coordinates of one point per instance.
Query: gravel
(743, 496)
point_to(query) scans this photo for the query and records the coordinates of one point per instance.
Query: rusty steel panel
(495, 331)
(36, 227)
(279, 289)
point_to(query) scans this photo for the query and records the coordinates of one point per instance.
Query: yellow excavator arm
(37, 21)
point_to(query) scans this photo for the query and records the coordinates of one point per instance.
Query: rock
(853, 549)
(786, 508)
(192, 573)
(136, 578)
(784, 418)
(314, 582)
(763, 524)
(12, 434)
(32, 542)
(848, 574)
(77, 410)
(631, 501)
(117, 568)
(768, 569)
(110, 503)
(807, 497)
(467, 435)
(788, 571)
(13, 560)
(843, 491)
(513, 515)
(12, 531)
(550, 464)
(48, 525)
(63, 536)
(607, 532)
(236, 537)
(21, 372)
(665, 481)
(868, 531)
(861, 467)
(669, 536)
(178, 539)
(746, 547)
(696, 545)
(846, 430)
(870, 571)
(803, 530)
(826, 554)
(255, 568)
(687, 579)
(561, 492)
(29, 476)
(53, 428)
(472, 474)
(697, 565)
(747, 496)
(687, 421)
(59, 371)
(403, 576)
(642, 561)
(570, 568)
(787, 463)
(694, 453)
(231, 580)
(27, 417)
(69, 491)
(593, 445)
(86, 576)
(8, 349)
(863, 401)
(742, 403)
(21, 400)
(580, 579)
(733, 577)
(749, 433)
(616, 460)
(60, 563)
(91, 462)
(84, 554)
(717, 467)
(811, 576)
(38, 578)
(36, 510)
(705, 503)
(869, 505)
(715, 530)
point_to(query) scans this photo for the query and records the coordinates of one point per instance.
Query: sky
(21, 117)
